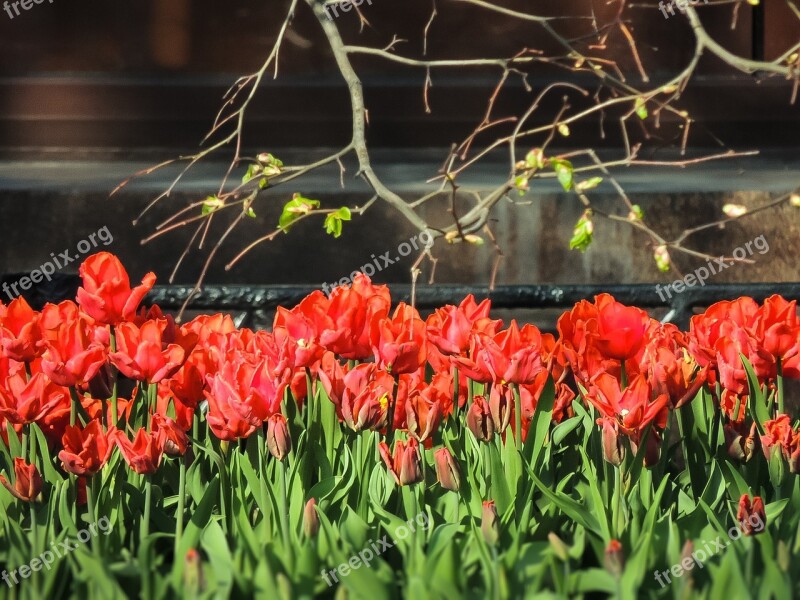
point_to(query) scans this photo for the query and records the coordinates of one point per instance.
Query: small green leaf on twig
(589, 184)
(212, 204)
(564, 172)
(583, 233)
(333, 222)
(641, 108)
(295, 209)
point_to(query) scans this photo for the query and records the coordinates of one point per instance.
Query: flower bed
(358, 449)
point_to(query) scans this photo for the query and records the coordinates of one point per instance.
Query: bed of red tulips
(251, 463)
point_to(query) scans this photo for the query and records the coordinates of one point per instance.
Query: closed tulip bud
(740, 448)
(311, 519)
(613, 450)
(279, 441)
(193, 579)
(560, 549)
(501, 403)
(405, 466)
(479, 419)
(751, 515)
(490, 523)
(447, 470)
(652, 452)
(614, 558)
(27, 484)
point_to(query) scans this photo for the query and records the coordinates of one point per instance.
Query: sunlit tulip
(106, 295)
(86, 450)
(27, 481)
(405, 465)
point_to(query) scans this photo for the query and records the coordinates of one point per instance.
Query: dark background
(92, 91)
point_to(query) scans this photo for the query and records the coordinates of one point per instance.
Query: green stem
(780, 386)
(285, 517)
(148, 495)
(390, 422)
(182, 503)
(91, 498)
(517, 416)
(24, 448)
(623, 374)
(617, 516)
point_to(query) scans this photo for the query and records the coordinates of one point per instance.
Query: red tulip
(513, 355)
(310, 519)
(279, 441)
(171, 436)
(106, 295)
(23, 402)
(751, 516)
(405, 465)
(490, 523)
(347, 330)
(235, 408)
(399, 343)
(20, 331)
(331, 375)
(479, 419)
(614, 558)
(501, 406)
(368, 392)
(620, 329)
(54, 316)
(781, 437)
(447, 470)
(632, 409)
(422, 416)
(669, 368)
(144, 454)
(777, 329)
(27, 483)
(449, 328)
(145, 353)
(86, 450)
(73, 357)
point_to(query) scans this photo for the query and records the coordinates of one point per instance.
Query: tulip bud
(279, 441)
(752, 517)
(613, 450)
(652, 452)
(490, 523)
(479, 419)
(405, 466)
(740, 448)
(27, 484)
(501, 401)
(614, 558)
(447, 470)
(193, 579)
(310, 519)
(560, 549)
